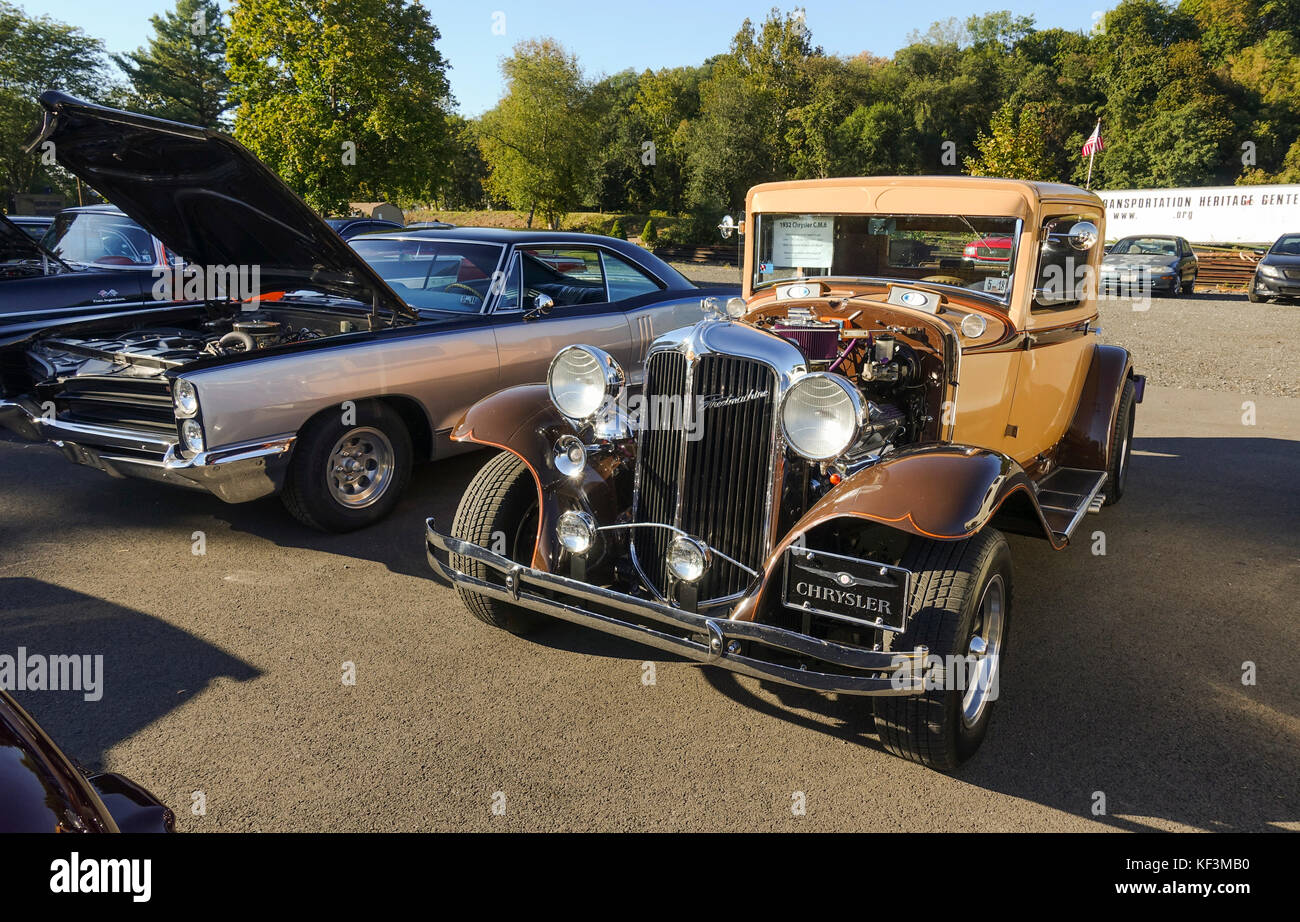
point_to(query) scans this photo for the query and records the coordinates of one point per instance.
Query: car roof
(95, 209)
(506, 236)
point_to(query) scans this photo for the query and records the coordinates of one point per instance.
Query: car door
(573, 277)
(650, 312)
(1189, 263)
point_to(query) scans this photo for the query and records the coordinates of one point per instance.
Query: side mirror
(543, 304)
(728, 227)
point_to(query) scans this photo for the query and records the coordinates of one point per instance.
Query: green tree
(181, 75)
(1014, 147)
(667, 102)
(538, 155)
(346, 99)
(39, 53)
(649, 236)
(617, 229)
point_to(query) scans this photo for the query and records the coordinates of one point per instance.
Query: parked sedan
(1278, 273)
(328, 379)
(1154, 263)
(33, 226)
(42, 790)
(39, 290)
(348, 228)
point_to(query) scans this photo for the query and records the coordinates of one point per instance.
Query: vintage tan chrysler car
(813, 486)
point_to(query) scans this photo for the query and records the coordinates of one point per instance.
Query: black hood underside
(207, 198)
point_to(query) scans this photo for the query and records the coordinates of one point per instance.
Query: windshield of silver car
(434, 274)
(974, 252)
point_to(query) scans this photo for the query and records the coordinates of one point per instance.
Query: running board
(1068, 494)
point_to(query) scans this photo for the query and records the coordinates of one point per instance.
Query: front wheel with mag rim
(960, 608)
(349, 470)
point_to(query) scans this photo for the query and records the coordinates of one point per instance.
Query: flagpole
(1092, 154)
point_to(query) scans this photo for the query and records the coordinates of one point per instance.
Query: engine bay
(896, 366)
(152, 350)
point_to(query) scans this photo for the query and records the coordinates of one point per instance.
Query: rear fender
(1086, 444)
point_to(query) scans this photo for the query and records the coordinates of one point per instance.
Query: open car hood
(206, 197)
(16, 246)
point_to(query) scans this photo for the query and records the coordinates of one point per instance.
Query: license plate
(846, 588)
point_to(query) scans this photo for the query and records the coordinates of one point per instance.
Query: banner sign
(1213, 214)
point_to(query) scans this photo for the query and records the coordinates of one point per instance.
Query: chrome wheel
(360, 468)
(985, 651)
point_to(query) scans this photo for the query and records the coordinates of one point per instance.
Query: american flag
(1094, 142)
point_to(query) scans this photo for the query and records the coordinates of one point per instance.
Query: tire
(1252, 297)
(955, 587)
(1176, 287)
(1190, 287)
(1121, 444)
(501, 500)
(378, 452)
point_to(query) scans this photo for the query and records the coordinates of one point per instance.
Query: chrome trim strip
(902, 672)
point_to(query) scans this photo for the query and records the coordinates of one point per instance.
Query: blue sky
(609, 36)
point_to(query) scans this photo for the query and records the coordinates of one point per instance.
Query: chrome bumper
(712, 640)
(234, 473)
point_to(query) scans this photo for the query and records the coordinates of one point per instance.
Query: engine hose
(237, 341)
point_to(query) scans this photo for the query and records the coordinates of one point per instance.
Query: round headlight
(687, 558)
(187, 398)
(581, 378)
(192, 435)
(576, 531)
(736, 308)
(821, 416)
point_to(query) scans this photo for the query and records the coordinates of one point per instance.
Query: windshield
(972, 252)
(434, 274)
(1287, 246)
(96, 238)
(1145, 246)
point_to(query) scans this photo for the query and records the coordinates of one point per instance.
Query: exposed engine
(150, 351)
(887, 371)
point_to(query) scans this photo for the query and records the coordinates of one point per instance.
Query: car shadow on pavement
(149, 668)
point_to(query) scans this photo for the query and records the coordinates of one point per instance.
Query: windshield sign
(974, 252)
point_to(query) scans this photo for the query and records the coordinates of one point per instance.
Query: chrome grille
(133, 403)
(715, 486)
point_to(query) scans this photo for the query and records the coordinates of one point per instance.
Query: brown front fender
(944, 492)
(523, 421)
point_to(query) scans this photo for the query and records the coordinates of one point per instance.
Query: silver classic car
(280, 359)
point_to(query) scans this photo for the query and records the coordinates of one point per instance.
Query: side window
(569, 275)
(511, 291)
(624, 279)
(1066, 245)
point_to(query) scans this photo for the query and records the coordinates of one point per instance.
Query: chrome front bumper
(705, 639)
(234, 473)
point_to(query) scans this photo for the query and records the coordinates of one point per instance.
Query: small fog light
(192, 435)
(570, 455)
(576, 531)
(687, 558)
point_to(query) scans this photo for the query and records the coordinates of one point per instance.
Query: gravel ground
(1169, 339)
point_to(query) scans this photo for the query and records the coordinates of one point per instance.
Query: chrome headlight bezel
(192, 437)
(583, 529)
(602, 371)
(855, 416)
(185, 398)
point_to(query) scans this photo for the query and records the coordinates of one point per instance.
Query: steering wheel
(463, 287)
(117, 246)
